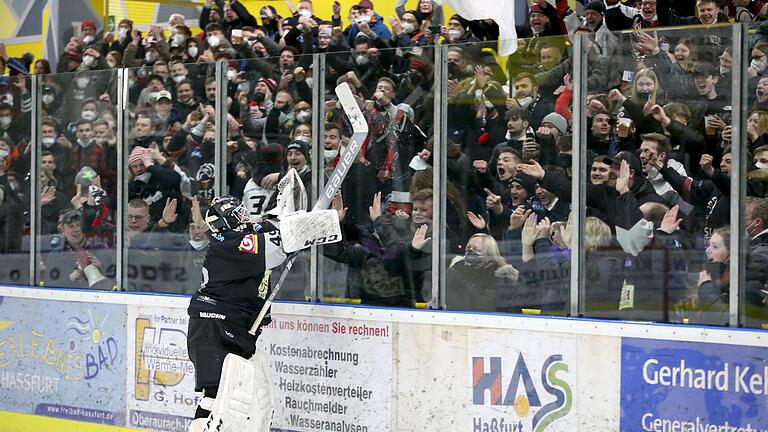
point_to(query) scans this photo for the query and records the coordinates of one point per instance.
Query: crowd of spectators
(658, 111)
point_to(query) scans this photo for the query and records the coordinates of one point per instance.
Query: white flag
(501, 11)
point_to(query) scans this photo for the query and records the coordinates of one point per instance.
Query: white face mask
(363, 19)
(5, 122)
(408, 27)
(89, 115)
(214, 41)
(111, 64)
(48, 99)
(192, 51)
(302, 138)
(330, 155)
(48, 141)
(151, 56)
(361, 60)
(88, 60)
(231, 74)
(454, 34)
(761, 165)
(305, 13)
(179, 78)
(144, 178)
(84, 143)
(87, 39)
(3, 154)
(724, 70)
(525, 102)
(82, 82)
(244, 87)
(303, 116)
(178, 40)
(199, 245)
(758, 65)
(122, 33)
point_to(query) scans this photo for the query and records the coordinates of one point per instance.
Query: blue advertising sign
(692, 386)
(63, 359)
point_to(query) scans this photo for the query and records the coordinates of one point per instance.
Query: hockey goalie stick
(360, 133)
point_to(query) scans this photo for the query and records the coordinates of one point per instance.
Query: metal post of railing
(317, 163)
(34, 182)
(578, 162)
(738, 171)
(121, 259)
(220, 106)
(439, 162)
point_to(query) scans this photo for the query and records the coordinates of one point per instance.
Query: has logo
(523, 401)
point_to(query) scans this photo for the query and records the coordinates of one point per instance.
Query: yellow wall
(17, 49)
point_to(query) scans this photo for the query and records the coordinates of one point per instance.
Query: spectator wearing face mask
(90, 36)
(457, 33)
(12, 125)
(92, 61)
(407, 31)
(124, 36)
(368, 22)
(479, 280)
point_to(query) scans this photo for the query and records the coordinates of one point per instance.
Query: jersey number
(258, 204)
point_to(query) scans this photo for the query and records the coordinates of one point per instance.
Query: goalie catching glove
(301, 229)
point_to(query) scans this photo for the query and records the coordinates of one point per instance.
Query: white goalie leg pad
(304, 229)
(244, 401)
(198, 425)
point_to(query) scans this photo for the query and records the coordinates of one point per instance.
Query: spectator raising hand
(493, 202)
(420, 238)
(374, 211)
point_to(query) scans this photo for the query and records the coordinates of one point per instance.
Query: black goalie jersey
(236, 273)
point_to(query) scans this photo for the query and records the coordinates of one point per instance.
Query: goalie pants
(208, 342)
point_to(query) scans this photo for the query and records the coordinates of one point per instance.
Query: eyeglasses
(137, 217)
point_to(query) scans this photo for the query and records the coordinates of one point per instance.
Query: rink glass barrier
(494, 110)
(171, 131)
(677, 72)
(261, 153)
(75, 199)
(386, 198)
(752, 157)
(235, 148)
(15, 142)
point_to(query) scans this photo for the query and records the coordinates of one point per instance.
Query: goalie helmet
(226, 213)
